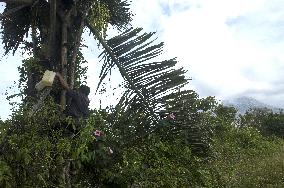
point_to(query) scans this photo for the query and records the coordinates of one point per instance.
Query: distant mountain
(242, 104)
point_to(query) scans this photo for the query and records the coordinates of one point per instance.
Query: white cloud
(230, 47)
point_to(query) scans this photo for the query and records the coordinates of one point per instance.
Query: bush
(159, 163)
(266, 121)
(244, 158)
(50, 150)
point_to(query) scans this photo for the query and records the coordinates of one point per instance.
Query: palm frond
(14, 26)
(120, 14)
(17, 19)
(189, 122)
(147, 82)
(152, 87)
(134, 52)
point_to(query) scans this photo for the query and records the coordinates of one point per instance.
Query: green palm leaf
(190, 120)
(14, 26)
(120, 14)
(146, 82)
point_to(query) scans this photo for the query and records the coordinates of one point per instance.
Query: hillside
(242, 104)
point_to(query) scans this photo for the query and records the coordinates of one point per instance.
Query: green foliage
(157, 135)
(266, 121)
(18, 20)
(266, 169)
(226, 115)
(5, 175)
(14, 27)
(242, 156)
(146, 82)
(244, 160)
(254, 117)
(80, 70)
(120, 14)
(190, 122)
(34, 150)
(99, 17)
(158, 164)
(274, 125)
(29, 66)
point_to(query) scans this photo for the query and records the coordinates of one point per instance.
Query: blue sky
(229, 47)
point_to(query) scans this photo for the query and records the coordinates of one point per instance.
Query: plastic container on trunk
(46, 81)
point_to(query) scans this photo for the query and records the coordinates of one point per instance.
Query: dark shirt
(79, 106)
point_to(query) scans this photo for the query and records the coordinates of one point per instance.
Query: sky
(230, 48)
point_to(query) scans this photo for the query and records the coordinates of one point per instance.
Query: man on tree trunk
(79, 105)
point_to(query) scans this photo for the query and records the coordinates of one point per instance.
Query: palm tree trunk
(77, 45)
(64, 39)
(75, 52)
(32, 75)
(64, 60)
(52, 34)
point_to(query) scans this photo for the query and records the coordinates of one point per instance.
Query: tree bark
(64, 60)
(32, 74)
(75, 52)
(52, 33)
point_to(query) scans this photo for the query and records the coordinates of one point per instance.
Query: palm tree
(56, 29)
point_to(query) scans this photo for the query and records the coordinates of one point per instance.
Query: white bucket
(46, 81)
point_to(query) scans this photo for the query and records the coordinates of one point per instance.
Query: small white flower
(110, 150)
(199, 111)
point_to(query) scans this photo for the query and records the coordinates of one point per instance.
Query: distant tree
(264, 120)
(273, 125)
(254, 117)
(226, 114)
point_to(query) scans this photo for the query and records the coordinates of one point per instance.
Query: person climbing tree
(79, 105)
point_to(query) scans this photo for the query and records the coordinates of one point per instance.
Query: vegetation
(34, 152)
(158, 135)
